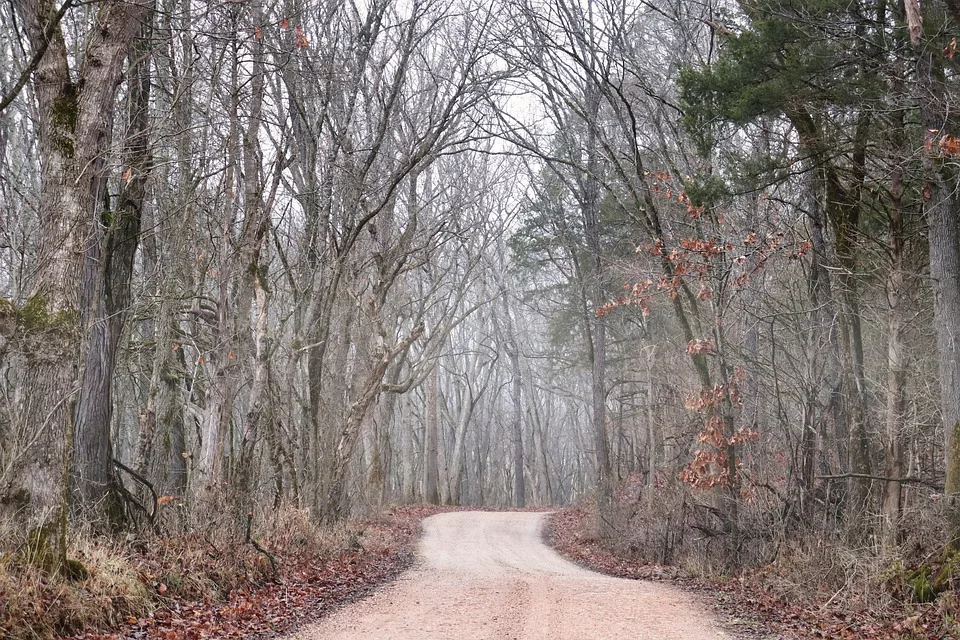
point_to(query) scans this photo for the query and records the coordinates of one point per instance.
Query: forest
(694, 264)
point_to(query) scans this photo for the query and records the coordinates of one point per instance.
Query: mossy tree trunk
(941, 209)
(57, 323)
(840, 204)
(108, 269)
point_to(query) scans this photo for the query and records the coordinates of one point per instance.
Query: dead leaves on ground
(747, 603)
(306, 590)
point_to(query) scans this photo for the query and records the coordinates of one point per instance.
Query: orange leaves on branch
(710, 399)
(698, 346)
(670, 285)
(710, 259)
(946, 144)
(707, 470)
(610, 306)
(802, 249)
(706, 399)
(637, 295)
(300, 38)
(743, 436)
(662, 184)
(950, 51)
(710, 466)
(949, 146)
(708, 249)
(655, 249)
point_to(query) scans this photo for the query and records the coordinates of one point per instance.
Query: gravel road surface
(486, 575)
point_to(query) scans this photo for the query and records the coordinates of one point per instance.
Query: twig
(139, 478)
(37, 55)
(707, 531)
(866, 476)
(131, 499)
(249, 540)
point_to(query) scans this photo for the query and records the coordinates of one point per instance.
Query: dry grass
(129, 579)
(35, 604)
(292, 534)
(801, 564)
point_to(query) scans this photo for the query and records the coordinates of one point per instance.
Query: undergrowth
(804, 580)
(131, 578)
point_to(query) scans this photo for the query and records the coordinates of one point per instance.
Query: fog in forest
(694, 263)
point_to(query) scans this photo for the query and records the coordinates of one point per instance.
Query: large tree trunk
(590, 209)
(75, 135)
(108, 270)
(541, 475)
(943, 220)
(940, 206)
(334, 506)
(455, 470)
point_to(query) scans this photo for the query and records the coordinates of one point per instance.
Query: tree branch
(249, 540)
(152, 514)
(48, 32)
(842, 476)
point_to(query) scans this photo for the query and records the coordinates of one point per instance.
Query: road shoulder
(565, 531)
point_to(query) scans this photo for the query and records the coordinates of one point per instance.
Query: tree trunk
(940, 206)
(108, 270)
(896, 371)
(431, 483)
(654, 432)
(74, 137)
(590, 209)
(516, 399)
(334, 505)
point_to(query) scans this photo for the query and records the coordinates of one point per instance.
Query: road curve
(486, 575)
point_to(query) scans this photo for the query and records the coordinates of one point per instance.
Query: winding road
(488, 575)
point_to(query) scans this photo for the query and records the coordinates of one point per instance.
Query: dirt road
(489, 576)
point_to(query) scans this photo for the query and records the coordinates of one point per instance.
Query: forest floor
(478, 575)
(489, 575)
(304, 588)
(750, 605)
